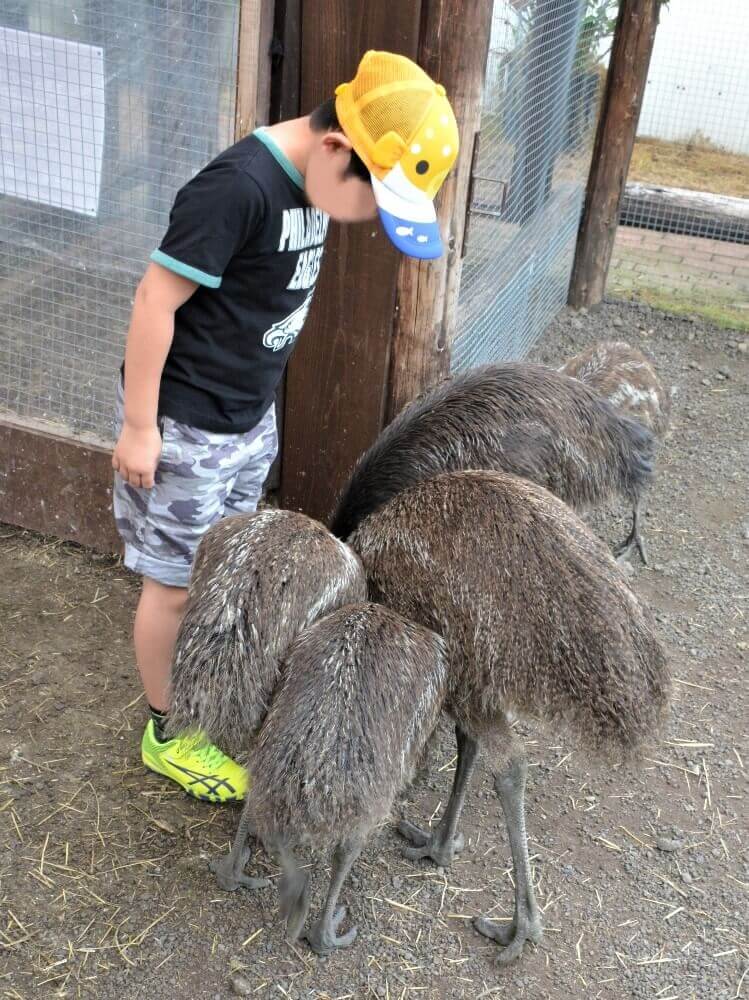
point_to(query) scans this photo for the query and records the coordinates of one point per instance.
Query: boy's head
(385, 143)
(335, 179)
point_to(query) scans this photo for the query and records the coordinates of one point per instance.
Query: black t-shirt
(244, 231)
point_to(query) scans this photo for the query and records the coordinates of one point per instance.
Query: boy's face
(345, 197)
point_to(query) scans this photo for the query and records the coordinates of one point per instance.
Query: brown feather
(258, 580)
(360, 693)
(524, 419)
(537, 617)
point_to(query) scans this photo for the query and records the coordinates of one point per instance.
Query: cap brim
(411, 227)
(415, 239)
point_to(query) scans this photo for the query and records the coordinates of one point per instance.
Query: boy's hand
(137, 454)
(158, 297)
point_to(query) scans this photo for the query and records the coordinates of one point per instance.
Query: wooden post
(380, 327)
(612, 150)
(285, 91)
(453, 48)
(337, 378)
(253, 65)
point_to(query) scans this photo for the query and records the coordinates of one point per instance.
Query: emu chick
(625, 377)
(537, 616)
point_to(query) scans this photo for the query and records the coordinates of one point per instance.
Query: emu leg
(293, 890)
(634, 538)
(443, 843)
(526, 924)
(229, 871)
(323, 935)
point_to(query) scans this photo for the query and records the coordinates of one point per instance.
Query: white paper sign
(51, 120)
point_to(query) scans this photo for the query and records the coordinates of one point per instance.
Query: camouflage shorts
(200, 478)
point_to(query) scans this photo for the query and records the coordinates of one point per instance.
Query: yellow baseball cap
(401, 125)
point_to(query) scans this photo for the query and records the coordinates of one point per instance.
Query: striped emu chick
(258, 580)
(360, 693)
(538, 622)
(524, 419)
(625, 377)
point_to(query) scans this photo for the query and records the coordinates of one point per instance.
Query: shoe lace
(210, 754)
(207, 753)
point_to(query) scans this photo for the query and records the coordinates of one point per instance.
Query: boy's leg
(161, 528)
(157, 622)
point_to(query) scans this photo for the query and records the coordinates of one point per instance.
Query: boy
(214, 321)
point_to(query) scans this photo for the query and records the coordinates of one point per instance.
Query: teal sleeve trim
(279, 156)
(193, 273)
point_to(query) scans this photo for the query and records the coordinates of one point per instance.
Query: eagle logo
(286, 331)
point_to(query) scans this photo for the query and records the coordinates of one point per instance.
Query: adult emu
(538, 621)
(524, 419)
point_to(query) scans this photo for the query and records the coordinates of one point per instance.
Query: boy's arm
(159, 296)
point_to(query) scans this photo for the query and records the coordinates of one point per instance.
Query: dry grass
(695, 164)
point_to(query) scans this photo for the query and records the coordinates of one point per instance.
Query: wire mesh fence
(105, 109)
(690, 168)
(543, 86)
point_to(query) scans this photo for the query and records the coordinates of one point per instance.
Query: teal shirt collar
(281, 158)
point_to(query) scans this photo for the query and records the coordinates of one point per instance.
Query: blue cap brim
(415, 239)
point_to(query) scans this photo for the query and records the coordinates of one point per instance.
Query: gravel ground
(642, 871)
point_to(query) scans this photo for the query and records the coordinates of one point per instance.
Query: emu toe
(323, 938)
(511, 937)
(230, 877)
(631, 543)
(435, 845)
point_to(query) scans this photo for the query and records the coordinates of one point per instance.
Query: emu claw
(417, 836)
(511, 937)
(230, 879)
(429, 845)
(323, 938)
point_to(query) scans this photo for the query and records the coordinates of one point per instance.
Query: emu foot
(230, 875)
(436, 845)
(323, 937)
(293, 893)
(511, 937)
(632, 542)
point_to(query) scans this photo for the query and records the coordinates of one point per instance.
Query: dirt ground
(642, 872)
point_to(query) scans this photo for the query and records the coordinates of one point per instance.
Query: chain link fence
(543, 86)
(105, 109)
(690, 168)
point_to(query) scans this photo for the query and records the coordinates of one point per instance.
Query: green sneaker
(196, 765)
